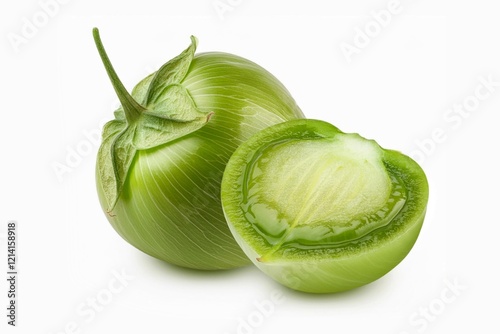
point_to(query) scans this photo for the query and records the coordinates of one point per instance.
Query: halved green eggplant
(319, 210)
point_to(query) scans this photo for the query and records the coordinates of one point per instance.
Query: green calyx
(158, 111)
(303, 197)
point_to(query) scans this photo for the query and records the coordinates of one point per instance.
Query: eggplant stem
(132, 109)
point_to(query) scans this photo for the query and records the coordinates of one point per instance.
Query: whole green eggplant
(161, 161)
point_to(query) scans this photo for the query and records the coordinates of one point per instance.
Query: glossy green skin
(170, 206)
(334, 267)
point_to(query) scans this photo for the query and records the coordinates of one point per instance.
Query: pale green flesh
(324, 192)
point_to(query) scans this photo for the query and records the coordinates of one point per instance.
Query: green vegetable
(320, 210)
(161, 160)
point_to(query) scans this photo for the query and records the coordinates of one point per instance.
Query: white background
(398, 90)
